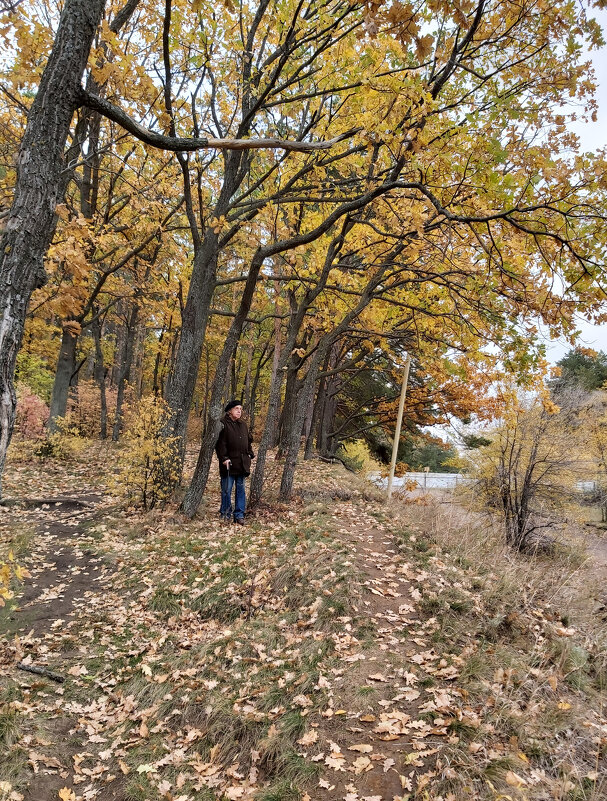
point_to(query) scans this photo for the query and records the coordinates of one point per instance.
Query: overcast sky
(592, 136)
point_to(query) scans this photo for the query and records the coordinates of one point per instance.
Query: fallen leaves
(211, 674)
(309, 738)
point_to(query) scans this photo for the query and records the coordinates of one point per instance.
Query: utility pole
(399, 420)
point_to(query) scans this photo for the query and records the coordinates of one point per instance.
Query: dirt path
(377, 740)
(386, 742)
(395, 703)
(597, 548)
(62, 573)
(64, 576)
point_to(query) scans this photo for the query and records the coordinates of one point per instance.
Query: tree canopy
(281, 198)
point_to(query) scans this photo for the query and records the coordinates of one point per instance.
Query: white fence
(425, 480)
(447, 481)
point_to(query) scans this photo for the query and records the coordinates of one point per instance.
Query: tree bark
(293, 444)
(197, 308)
(31, 221)
(130, 336)
(66, 367)
(263, 359)
(99, 374)
(289, 407)
(198, 484)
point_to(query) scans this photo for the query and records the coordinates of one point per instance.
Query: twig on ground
(41, 671)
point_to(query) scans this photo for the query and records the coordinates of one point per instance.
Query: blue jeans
(226, 497)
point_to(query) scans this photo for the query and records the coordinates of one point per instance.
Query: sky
(592, 136)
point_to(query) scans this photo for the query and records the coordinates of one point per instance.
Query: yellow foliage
(150, 466)
(357, 457)
(8, 570)
(529, 468)
(65, 443)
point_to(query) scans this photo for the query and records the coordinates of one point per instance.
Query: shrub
(527, 471)
(32, 413)
(151, 461)
(64, 443)
(85, 408)
(34, 372)
(9, 570)
(356, 456)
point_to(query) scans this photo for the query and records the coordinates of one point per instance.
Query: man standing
(234, 452)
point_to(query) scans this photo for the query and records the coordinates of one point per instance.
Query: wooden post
(399, 420)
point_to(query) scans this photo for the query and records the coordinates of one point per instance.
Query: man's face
(235, 412)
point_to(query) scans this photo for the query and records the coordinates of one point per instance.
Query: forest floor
(336, 648)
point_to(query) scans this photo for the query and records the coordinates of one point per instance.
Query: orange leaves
(72, 327)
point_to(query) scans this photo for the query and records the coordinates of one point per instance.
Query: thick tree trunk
(31, 221)
(197, 308)
(182, 381)
(267, 436)
(329, 440)
(289, 407)
(316, 419)
(308, 429)
(66, 367)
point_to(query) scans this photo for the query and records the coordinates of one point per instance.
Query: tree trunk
(31, 221)
(289, 406)
(316, 420)
(289, 413)
(268, 435)
(308, 429)
(66, 367)
(304, 396)
(195, 491)
(246, 390)
(253, 399)
(130, 336)
(99, 374)
(196, 311)
(235, 371)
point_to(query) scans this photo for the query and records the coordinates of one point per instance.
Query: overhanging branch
(182, 145)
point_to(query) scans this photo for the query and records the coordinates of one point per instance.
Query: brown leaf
(309, 738)
(361, 765)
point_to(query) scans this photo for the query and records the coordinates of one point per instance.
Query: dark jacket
(234, 443)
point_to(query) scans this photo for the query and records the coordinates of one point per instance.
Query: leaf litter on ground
(322, 652)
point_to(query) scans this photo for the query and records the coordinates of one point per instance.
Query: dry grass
(539, 656)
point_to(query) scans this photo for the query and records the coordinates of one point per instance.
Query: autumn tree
(438, 130)
(529, 468)
(41, 176)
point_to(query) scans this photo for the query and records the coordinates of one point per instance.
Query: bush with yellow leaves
(64, 443)
(357, 457)
(528, 470)
(150, 464)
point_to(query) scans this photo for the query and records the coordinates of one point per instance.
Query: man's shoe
(239, 521)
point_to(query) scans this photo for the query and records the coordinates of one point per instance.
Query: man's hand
(227, 463)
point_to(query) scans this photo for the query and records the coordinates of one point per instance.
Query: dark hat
(231, 405)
